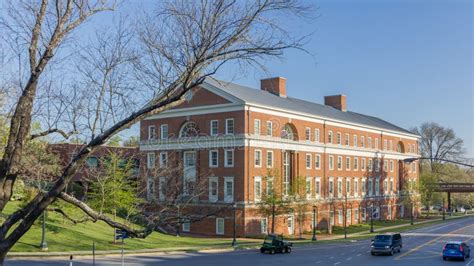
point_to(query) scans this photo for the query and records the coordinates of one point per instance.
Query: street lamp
(234, 241)
(43, 244)
(372, 218)
(314, 223)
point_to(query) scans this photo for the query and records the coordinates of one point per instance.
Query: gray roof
(260, 97)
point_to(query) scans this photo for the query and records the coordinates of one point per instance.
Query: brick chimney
(275, 85)
(336, 101)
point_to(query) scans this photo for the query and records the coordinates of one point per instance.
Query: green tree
(426, 188)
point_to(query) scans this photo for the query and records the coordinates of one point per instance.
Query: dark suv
(387, 243)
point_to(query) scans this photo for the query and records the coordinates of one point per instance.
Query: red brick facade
(336, 140)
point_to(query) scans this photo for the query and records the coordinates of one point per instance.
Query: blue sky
(404, 61)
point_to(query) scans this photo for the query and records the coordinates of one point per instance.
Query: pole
(345, 217)
(444, 214)
(234, 241)
(314, 224)
(372, 218)
(178, 224)
(43, 244)
(70, 260)
(123, 242)
(412, 213)
(93, 253)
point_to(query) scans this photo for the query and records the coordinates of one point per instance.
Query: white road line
(331, 258)
(318, 262)
(349, 258)
(336, 263)
(469, 263)
(358, 255)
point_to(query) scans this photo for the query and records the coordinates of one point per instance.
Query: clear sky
(404, 61)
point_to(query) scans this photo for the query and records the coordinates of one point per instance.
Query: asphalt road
(420, 247)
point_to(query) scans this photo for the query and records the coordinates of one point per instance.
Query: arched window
(189, 129)
(288, 132)
(400, 147)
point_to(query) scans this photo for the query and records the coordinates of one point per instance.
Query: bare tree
(438, 142)
(182, 43)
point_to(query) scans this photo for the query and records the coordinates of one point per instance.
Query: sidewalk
(213, 248)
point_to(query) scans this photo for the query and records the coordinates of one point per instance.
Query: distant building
(246, 141)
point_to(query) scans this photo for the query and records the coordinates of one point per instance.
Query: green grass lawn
(63, 235)
(356, 228)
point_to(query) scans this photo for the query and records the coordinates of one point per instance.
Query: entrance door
(291, 226)
(189, 161)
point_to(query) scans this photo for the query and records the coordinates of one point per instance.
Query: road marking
(349, 258)
(331, 258)
(318, 262)
(336, 263)
(469, 263)
(431, 234)
(358, 255)
(429, 242)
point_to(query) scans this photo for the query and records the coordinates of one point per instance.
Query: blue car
(456, 250)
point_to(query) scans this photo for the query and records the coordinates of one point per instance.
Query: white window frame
(347, 140)
(211, 152)
(356, 164)
(340, 216)
(226, 157)
(317, 135)
(362, 141)
(369, 142)
(377, 186)
(348, 186)
(317, 161)
(150, 188)
(317, 187)
(308, 134)
(339, 187)
(363, 190)
(150, 160)
(257, 183)
(309, 161)
(161, 188)
(211, 127)
(370, 186)
(391, 166)
(213, 198)
(228, 198)
(309, 194)
(218, 220)
(370, 165)
(356, 187)
(263, 225)
(363, 165)
(151, 132)
(376, 143)
(271, 161)
(331, 187)
(186, 226)
(339, 138)
(259, 165)
(331, 162)
(385, 166)
(227, 131)
(348, 163)
(163, 158)
(256, 127)
(339, 162)
(330, 137)
(269, 128)
(385, 186)
(385, 144)
(163, 131)
(355, 141)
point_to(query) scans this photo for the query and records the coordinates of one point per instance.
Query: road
(420, 247)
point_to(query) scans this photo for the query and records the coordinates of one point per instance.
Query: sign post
(121, 234)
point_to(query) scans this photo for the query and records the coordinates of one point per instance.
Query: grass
(365, 227)
(63, 235)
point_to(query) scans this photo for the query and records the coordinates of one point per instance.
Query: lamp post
(372, 218)
(43, 244)
(345, 216)
(412, 213)
(234, 241)
(314, 223)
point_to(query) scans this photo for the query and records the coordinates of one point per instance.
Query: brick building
(245, 141)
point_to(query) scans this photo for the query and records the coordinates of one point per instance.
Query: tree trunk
(3, 254)
(273, 218)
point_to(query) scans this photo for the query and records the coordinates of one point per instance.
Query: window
(370, 165)
(228, 189)
(330, 137)
(369, 143)
(256, 127)
(317, 187)
(385, 186)
(214, 127)
(362, 164)
(339, 187)
(339, 140)
(355, 140)
(213, 158)
(213, 189)
(339, 162)
(219, 226)
(363, 185)
(331, 186)
(364, 214)
(356, 215)
(348, 163)
(269, 128)
(356, 187)
(286, 173)
(258, 158)
(186, 226)
(308, 187)
(370, 189)
(331, 162)
(150, 160)
(308, 161)
(269, 159)
(377, 187)
(384, 144)
(356, 163)
(257, 188)
(339, 216)
(385, 166)
(263, 225)
(348, 186)
(164, 131)
(376, 143)
(362, 141)
(229, 158)
(229, 126)
(348, 216)
(162, 188)
(163, 158)
(377, 165)
(347, 140)
(316, 135)
(151, 132)
(288, 133)
(317, 161)
(150, 187)
(92, 162)
(269, 186)
(391, 165)
(308, 134)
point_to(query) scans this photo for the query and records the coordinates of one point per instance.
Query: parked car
(456, 250)
(387, 243)
(275, 244)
